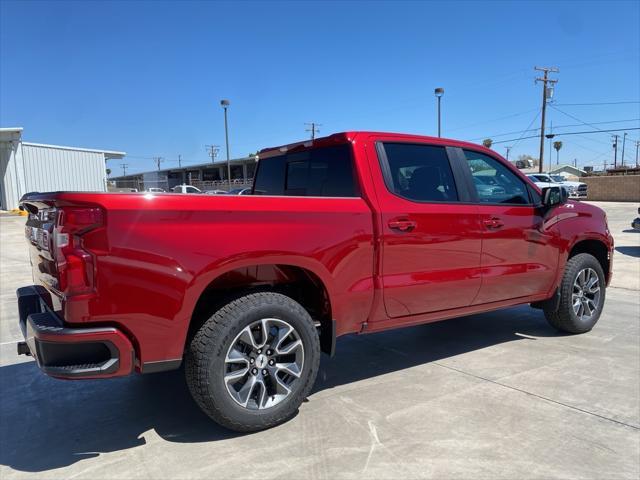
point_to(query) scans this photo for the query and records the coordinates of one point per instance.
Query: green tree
(557, 146)
(108, 172)
(487, 142)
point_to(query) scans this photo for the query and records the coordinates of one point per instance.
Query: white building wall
(11, 180)
(51, 168)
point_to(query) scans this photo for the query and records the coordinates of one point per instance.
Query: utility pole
(213, 152)
(545, 80)
(179, 161)
(637, 145)
(615, 150)
(313, 128)
(125, 165)
(508, 150)
(158, 161)
(624, 140)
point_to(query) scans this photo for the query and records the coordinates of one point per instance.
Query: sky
(147, 77)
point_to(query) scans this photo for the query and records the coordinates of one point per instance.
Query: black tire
(205, 360)
(565, 318)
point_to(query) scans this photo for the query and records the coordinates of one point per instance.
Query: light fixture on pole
(439, 92)
(225, 104)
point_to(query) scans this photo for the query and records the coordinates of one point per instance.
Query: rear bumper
(71, 353)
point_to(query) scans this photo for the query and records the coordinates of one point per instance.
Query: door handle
(493, 222)
(402, 225)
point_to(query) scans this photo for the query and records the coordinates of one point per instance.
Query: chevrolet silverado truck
(353, 233)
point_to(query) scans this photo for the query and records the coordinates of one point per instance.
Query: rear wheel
(254, 361)
(582, 294)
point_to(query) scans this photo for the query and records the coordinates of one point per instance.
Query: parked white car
(578, 189)
(155, 190)
(575, 189)
(185, 189)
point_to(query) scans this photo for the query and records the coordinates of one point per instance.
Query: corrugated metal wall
(48, 169)
(8, 176)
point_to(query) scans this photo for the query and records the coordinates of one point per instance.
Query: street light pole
(225, 104)
(624, 140)
(439, 92)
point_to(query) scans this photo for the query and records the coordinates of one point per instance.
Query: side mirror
(554, 196)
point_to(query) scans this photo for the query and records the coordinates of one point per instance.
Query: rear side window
(494, 182)
(322, 172)
(420, 173)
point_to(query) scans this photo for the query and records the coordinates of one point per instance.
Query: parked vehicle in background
(354, 233)
(185, 189)
(155, 190)
(636, 222)
(215, 192)
(575, 189)
(240, 191)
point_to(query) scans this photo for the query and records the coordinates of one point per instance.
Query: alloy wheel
(585, 297)
(263, 364)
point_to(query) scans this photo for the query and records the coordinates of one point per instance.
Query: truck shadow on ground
(632, 251)
(48, 424)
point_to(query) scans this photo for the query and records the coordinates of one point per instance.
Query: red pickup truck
(356, 232)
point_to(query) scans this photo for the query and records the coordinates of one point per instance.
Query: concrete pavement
(498, 395)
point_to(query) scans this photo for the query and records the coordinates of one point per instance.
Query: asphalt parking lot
(497, 395)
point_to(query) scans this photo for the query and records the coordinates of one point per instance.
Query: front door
(519, 252)
(430, 239)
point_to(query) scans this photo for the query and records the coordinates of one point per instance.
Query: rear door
(430, 232)
(519, 251)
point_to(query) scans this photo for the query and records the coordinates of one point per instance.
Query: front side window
(420, 173)
(494, 182)
(320, 172)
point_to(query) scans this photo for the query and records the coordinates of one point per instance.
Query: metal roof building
(35, 167)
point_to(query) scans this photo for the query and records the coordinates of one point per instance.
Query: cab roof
(351, 136)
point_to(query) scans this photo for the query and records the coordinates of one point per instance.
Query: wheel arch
(595, 247)
(307, 286)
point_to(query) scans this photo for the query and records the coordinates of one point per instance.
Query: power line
(572, 133)
(557, 126)
(574, 117)
(528, 127)
(594, 103)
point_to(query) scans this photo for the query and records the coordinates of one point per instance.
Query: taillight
(75, 265)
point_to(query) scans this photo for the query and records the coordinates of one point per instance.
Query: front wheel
(253, 362)
(582, 294)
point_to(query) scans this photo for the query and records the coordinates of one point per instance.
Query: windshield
(557, 178)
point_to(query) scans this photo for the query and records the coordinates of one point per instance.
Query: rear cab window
(418, 172)
(318, 172)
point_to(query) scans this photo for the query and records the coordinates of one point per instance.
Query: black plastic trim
(328, 339)
(36, 317)
(161, 366)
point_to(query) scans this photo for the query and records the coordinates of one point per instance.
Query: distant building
(35, 167)
(568, 171)
(205, 176)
